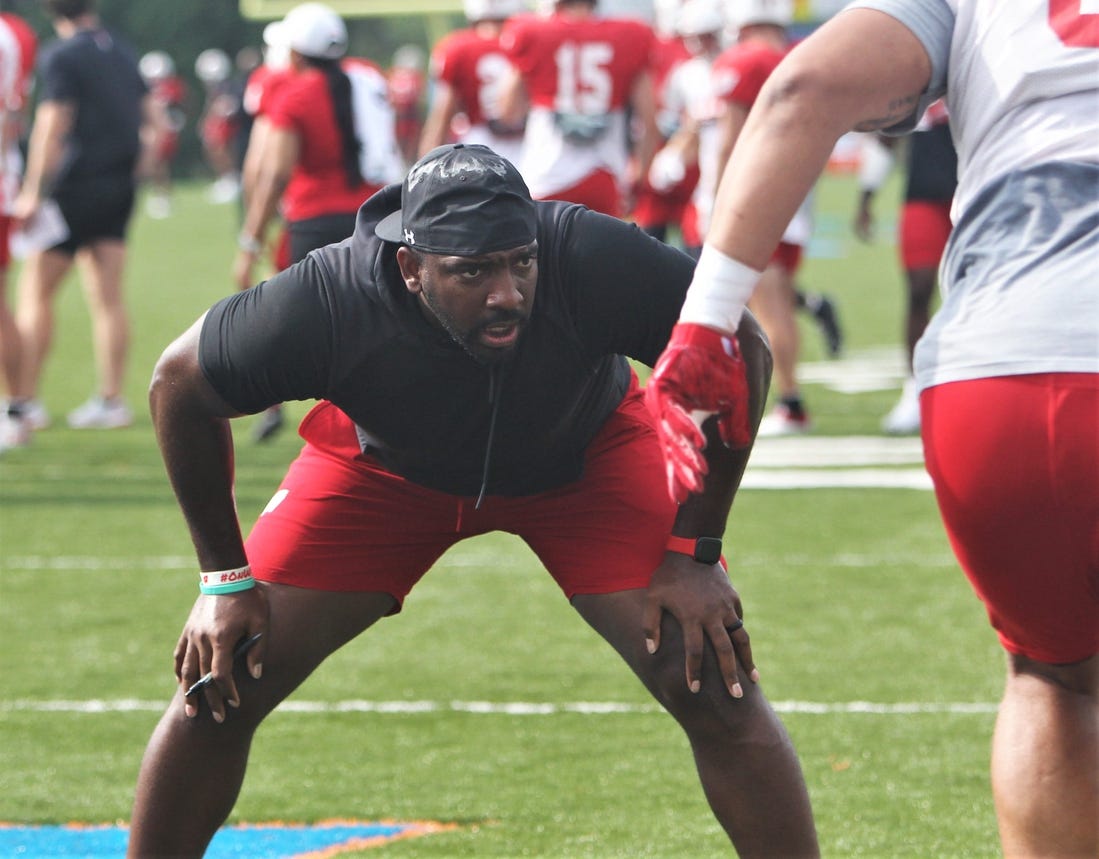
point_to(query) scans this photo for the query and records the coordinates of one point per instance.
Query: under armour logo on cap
(462, 200)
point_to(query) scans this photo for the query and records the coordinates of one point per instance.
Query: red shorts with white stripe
(340, 522)
(1015, 463)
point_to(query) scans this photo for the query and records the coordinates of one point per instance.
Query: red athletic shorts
(1015, 462)
(340, 522)
(788, 256)
(924, 228)
(5, 241)
(598, 191)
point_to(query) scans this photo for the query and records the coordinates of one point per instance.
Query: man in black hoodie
(468, 347)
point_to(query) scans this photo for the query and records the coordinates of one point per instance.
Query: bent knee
(1079, 678)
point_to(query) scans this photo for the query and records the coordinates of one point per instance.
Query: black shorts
(95, 209)
(311, 233)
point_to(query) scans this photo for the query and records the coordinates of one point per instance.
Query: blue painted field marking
(243, 841)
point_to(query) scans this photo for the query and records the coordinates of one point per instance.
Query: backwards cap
(462, 200)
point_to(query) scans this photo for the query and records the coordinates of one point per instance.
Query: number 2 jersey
(475, 67)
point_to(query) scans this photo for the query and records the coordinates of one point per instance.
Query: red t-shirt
(318, 184)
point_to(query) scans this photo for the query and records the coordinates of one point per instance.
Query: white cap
(700, 18)
(212, 66)
(743, 13)
(156, 65)
(491, 10)
(312, 30)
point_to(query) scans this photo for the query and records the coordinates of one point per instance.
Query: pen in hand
(208, 678)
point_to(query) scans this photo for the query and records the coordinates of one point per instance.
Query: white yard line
(504, 708)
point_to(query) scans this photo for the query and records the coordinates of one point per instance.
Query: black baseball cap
(462, 200)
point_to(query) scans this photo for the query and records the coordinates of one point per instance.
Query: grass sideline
(851, 596)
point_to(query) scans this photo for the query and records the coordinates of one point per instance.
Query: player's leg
(193, 768)
(1016, 473)
(1045, 759)
(745, 760)
(101, 266)
(36, 288)
(324, 549)
(774, 303)
(601, 538)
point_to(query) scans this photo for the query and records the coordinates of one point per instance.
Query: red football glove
(701, 373)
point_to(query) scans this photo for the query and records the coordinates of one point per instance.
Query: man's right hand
(213, 630)
(701, 373)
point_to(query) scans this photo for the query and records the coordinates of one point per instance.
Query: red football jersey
(263, 84)
(583, 66)
(474, 66)
(740, 71)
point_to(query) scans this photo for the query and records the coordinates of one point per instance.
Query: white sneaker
(904, 418)
(158, 207)
(35, 414)
(782, 421)
(99, 413)
(14, 432)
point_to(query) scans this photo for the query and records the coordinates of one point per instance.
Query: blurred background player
(659, 211)
(684, 172)
(922, 233)
(468, 72)
(259, 94)
(589, 86)
(93, 130)
(218, 123)
(169, 97)
(18, 47)
(327, 142)
(739, 73)
(407, 82)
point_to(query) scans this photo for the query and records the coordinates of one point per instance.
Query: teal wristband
(220, 582)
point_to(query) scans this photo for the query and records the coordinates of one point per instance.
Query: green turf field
(488, 703)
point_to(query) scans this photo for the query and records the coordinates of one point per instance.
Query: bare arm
(643, 102)
(703, 599)
(514, 103)
(276, 159)
(861, 70)
(196, 443)
(444, 104)
(730, 124)
(53, 120)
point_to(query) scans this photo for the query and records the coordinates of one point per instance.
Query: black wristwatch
(705, 550)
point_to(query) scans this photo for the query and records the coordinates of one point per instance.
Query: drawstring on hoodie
(494, 399)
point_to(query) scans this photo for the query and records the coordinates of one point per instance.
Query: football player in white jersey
(1008, 367)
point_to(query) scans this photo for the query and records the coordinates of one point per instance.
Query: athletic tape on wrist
(719, 292)
(218, 582)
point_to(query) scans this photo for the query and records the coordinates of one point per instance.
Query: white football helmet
(156, 65)
(701, 18)
(212, 66)
(743, 13)
(492, 10)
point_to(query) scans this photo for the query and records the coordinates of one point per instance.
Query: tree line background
(185, 28)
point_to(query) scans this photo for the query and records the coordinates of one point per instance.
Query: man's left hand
(706, 605)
